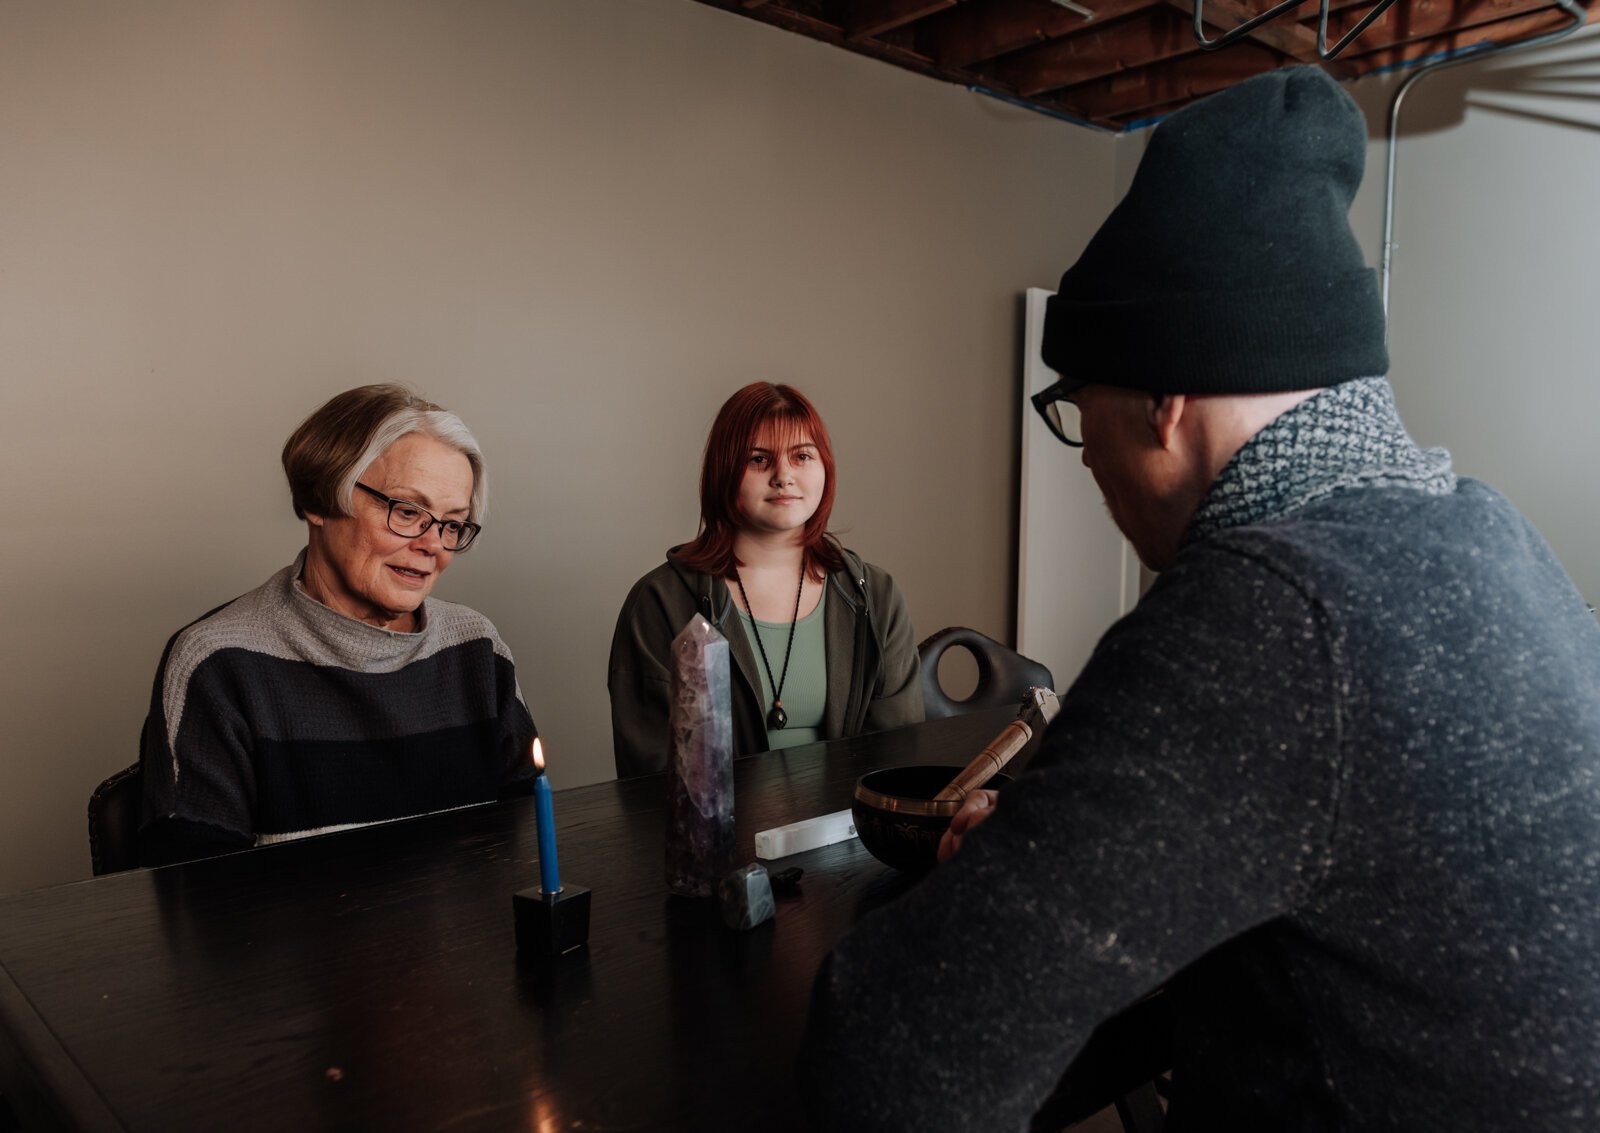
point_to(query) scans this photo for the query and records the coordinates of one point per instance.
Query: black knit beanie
(1230, 266)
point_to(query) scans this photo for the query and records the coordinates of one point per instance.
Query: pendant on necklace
(777, 719)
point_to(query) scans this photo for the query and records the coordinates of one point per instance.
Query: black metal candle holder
(551, 924)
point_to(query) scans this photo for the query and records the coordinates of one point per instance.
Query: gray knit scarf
(1348, 436)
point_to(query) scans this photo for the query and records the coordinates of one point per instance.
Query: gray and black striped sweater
(273, 717)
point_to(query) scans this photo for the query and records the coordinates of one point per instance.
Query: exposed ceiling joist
(874, 17)
(1134, 59)
(1295, 40)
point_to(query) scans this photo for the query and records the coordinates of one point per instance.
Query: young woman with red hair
(821, 642)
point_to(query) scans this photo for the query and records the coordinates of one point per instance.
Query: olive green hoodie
(874, 677)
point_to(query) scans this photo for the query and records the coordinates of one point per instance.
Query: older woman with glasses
(340, 692)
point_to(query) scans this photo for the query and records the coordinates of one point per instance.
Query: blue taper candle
(544, 809)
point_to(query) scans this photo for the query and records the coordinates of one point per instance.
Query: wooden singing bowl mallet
(1039, 707)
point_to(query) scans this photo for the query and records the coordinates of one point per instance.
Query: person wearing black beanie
(1332, 788)
(1230, 266)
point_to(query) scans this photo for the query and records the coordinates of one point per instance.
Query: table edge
(43, 1083)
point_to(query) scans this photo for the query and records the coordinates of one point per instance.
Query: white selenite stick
(809, 834)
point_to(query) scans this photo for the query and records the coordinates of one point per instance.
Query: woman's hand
(978, 807)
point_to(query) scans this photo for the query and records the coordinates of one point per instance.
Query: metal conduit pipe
(1570, 7)
(1233, 35)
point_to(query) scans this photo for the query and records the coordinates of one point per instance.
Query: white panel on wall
(1075, 573)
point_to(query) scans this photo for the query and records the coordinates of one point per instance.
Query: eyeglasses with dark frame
(413, 521)
(1060, 412)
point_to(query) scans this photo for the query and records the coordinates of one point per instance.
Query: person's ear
(1164, 414)
(315, 520)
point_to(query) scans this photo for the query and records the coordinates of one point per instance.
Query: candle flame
(538, 754)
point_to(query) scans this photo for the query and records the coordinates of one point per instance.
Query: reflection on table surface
(370, 980)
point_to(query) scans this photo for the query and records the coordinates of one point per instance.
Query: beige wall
(581, 223)
(1491, 334)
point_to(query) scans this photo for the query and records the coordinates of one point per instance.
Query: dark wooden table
(369, 980)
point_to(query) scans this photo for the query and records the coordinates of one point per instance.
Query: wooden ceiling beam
(1425, 19)
(977, 31)
(1082, 58)
(1284, 34)
(1136, 58)
(1502, 31)
(1181, 80)
(817, 22)
(867, 18)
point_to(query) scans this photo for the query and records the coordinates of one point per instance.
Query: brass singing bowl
(896, 818)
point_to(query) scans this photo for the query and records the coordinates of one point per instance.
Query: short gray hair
(335, 446)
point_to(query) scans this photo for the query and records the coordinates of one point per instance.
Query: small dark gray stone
(745, 897)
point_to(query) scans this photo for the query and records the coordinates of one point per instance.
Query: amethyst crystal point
(700, 807)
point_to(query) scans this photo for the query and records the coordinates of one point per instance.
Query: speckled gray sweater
(1334, 783)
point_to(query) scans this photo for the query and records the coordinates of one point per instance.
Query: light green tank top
(805, 690)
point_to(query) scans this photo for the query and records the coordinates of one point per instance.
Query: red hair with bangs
(756, 408)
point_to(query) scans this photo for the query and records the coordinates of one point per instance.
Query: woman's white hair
(440, 424)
